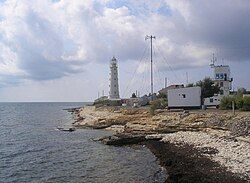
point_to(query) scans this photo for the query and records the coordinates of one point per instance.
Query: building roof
(165, 90)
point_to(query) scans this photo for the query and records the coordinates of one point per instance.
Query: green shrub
(239, 102)
(226, 102)
(107, 102)
(246, 104)
(158, 104)
(101, 103)
(242, 103)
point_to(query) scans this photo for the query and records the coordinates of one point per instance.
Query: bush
(162, 95)
(242, 103)
(226, 102)
(107, 102)
(101, 103)
(239, 102)
(246, 104)
(158, 104)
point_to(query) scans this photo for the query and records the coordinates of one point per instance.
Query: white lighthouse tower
(113, 86)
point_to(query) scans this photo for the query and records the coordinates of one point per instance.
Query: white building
(223, 79)
(113, 86)
(189, 97)
(213, 101)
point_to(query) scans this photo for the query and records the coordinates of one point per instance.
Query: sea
(33, 150)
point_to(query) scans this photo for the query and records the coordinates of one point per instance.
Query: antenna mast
(151, 61)
(166, 82)
(214, 59)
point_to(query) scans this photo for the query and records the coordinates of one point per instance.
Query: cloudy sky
(59, 50)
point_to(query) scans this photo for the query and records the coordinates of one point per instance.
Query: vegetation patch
(241, 103)
(160, 103)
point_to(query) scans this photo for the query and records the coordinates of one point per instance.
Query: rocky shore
(194, 146)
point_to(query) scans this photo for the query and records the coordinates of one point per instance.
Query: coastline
(196, 146)
(184, 163)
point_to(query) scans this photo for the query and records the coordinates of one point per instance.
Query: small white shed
(189, 97)
(213, 101)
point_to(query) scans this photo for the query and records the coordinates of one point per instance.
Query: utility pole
(187, 77)
(151, 61)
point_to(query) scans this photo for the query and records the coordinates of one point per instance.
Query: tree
(241, 91)
(190, 85)
(208, 88)
(162, 95)
(133, 95)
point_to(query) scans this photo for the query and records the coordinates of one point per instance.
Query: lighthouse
(113, 85)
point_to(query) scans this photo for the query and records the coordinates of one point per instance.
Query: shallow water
(32, 150)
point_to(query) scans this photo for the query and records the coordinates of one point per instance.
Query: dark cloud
(222, 25)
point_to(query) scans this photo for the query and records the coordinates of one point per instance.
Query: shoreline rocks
(234, 155)
(218, 136)
(186, 164)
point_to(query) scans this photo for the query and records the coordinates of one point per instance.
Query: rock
(101, 119)
(158, 111)
(176, 110)
(124, 139)
(240, 128)
(215, 121)
(116, 128)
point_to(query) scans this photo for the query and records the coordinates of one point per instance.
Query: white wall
(219, 72)
(213, 101)
(184, 97)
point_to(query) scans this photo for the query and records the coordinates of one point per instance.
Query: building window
(211, 100)
(115, 92)
(114, 85)
(221, 84)
(217, 76)
(225, 77)
(221, 76)
(222, 92)
(183, 95)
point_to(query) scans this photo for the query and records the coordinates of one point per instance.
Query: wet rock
(123, 139)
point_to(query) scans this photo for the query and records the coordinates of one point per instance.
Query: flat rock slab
(124, 139)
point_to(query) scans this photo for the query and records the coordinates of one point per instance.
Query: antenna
(166, 82)
(214, 59)
(151, 61)
(187, 77)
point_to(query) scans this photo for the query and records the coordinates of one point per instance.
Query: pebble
(235, 156)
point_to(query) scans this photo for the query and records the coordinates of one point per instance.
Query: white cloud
(45, 40)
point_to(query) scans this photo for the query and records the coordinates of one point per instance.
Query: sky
(59, 50)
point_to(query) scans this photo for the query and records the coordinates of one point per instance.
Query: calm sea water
(32, 150)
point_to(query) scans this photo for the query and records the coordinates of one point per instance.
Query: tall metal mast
(151, 61)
